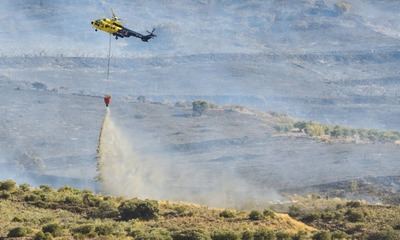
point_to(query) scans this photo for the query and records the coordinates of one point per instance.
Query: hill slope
(70, 212)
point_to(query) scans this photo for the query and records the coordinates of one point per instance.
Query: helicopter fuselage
(108, 25)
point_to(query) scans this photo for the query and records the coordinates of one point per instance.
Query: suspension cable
(109, 57)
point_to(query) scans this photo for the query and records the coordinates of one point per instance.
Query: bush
(42, 236)
(106, 209)
(353, 204)
(141, 99)
(268, 213)
(24, 187)
(225, 235)
(84, 229)
(383, 235)
(191, 234)
(4, 194)
(199, 107)
(255, 215)
(294, 211)
(32, 198)
(300, 236)
(311, 217)
(227, 214)
(17, 219)
(54, 229)
(247, 235)
(8, 185)
(264, 234)
(72, 200)
(45, 188)
(354, 216)
(322, 236)
(104, 229)
(155, 234)
(339, 235)
(283, 236)
(138, 209)
(91, 200)
(18, 232)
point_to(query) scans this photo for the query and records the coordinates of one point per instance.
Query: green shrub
(322, 236)
(383, 235)
(138, 209)
(4, 194)
(91, 200)
(84, 229)
(18, 232)
(181, 210)
(54, 229)
(42, 236)
(283, 236)
(247, 235)
(45, 188)
(227, 214)
(294, 211)
(72, 200)
(191, 234)
(8, 185)
(25, 187)
(264, 234)
(354, 216)
(310, 217)
(268, 213)
(339, 235)
(106, 209)
(155, 234)
(225, 235)
(17, 219)
(300, 236)
(32, 198)
(199, 107)
(353, 204)
(255, 215)
(337, 131)
(300, 125)
(283, 127)
(104, 229)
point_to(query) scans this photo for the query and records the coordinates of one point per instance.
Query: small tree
(54, 229)
(255, 215)
(227, 214)
(141, 99)
(138, 209)
(247, 235)
(104, 229)
(322, 236)
(18, 232)
(354, 215)
(8, 185)
(84, 229)
(225, 235)
(268, 213)
(199, 107)
(191, 234)
(264, 234)
(42, 236)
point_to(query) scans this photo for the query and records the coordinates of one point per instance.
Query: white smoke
(122, 171)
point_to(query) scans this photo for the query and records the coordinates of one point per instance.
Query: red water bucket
(107, 100)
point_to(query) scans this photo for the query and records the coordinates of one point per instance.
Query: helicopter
(114, 26)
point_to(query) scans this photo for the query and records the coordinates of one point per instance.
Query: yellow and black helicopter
(114, 26)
